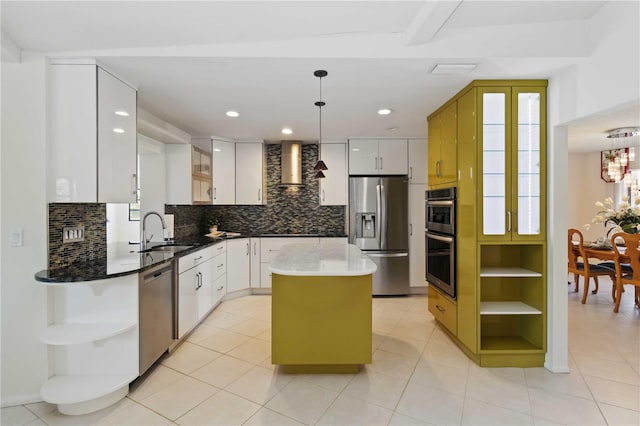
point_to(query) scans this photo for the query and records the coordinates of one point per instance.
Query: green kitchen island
(321, 308)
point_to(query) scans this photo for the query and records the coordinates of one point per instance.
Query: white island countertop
(322, 260)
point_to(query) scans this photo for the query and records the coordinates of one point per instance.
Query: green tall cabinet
(501, 241)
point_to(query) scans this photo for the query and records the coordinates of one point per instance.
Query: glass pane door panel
(528, 186)
(528, 137)
(493, 185)
(494, 216)
(528, 163)
(529, 108)
(528, 215)
(493, 137)
(494, 163)
(493, 105)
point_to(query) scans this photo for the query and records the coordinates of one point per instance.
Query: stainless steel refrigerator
(378, 225)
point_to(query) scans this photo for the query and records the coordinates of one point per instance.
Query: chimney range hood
(291, 162)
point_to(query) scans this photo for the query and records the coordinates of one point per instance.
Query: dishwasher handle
(154, 275)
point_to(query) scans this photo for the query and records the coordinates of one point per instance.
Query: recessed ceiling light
(453, 68)
(118, 130)
(286, 131)
(392, 128)
(122, 113)
(232, 114)
(385, 111)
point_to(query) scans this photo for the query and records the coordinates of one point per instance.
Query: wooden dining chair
(584, 268)
(629, 273)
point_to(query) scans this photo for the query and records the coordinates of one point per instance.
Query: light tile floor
(222, 375)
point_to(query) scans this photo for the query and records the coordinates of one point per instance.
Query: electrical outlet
(72, 234)
(16, 238)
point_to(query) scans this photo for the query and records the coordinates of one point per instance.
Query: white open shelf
(76, 333)
(74, 389)
(511, 271)
(507, 308)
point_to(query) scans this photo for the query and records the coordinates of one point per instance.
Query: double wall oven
(440, 239)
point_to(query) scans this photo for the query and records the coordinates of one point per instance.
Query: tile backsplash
(91, 216)
(289, 210)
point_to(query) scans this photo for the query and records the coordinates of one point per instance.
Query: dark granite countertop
(124, 259)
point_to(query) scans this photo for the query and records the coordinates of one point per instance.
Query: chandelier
(615, 162)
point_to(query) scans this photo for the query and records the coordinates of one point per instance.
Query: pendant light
(320, 166)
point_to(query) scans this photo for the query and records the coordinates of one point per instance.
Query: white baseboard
(11, 401)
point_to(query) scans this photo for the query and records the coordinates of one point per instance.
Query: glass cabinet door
(512, 144)
(529, 134)
(495, 138)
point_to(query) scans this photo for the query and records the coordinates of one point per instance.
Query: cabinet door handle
(215, 193)
(254, 249)
(410, 172)
(438, 168)
(509, 221)
(197, 277)
(441, 309)
(380, 163)
(323, 195)
(247, 249)
(259, 194)
(410, 229)
(134, 184)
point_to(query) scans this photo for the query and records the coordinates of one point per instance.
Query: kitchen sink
(166, 248)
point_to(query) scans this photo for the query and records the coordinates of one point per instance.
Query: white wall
(153, 187)
(23, 206)
(585, 188)
(119, 227)
(606, 80)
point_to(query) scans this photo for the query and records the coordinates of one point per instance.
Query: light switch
(16, 238)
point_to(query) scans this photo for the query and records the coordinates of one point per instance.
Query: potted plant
(213, 222)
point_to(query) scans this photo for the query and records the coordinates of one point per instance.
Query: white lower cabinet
(196, 276)
(93, 339)
(239, 264)
(255, 263)
(219, 267)
(269, 249)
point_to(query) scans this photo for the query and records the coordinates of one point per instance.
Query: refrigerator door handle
(383, 217)
(387, 254)
(379, 214)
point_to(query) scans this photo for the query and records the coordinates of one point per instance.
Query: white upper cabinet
(417, 161)
(188, 173)
(378, 157)
(249, 174)
(333, 188)
(224, 175)
(93, 136)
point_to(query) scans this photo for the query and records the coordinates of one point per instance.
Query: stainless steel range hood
(291, 161)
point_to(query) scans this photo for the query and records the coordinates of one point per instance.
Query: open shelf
(507, 308)
(77, 333)
(511, 271)
(74, 389)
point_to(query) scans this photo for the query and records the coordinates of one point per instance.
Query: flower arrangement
(626, 218)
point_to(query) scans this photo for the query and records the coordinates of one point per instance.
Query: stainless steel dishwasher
(155, 314)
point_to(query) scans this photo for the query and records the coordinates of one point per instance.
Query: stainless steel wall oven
(440, 239)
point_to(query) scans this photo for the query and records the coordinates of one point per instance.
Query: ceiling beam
(429, 20)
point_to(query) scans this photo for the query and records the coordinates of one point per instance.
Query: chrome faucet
(143, 239)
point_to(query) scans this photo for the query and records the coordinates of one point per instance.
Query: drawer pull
(220, 265)
(441, 309)
(197, 258)
(220, 288)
